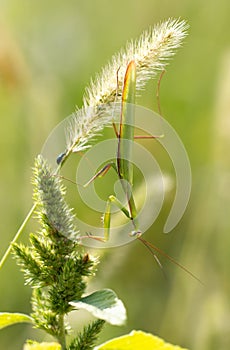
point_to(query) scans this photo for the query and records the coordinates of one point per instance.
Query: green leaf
(138, 340)
(103, 304)
(42, 346)
(8, 319)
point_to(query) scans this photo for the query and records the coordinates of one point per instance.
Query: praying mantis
(124, 169)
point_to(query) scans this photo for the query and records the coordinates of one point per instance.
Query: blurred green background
(48, 52)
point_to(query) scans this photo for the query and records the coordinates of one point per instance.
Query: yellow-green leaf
(138, 340)
(42, 346)
(8, 319)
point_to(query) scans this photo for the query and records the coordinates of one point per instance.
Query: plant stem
(5, 256)
(61, 337)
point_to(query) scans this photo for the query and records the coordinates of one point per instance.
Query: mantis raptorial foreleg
(107, 215)
(112, 200)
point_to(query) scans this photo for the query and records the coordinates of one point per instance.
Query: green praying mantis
(124, 168)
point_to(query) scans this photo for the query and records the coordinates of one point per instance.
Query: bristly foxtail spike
(150, 52)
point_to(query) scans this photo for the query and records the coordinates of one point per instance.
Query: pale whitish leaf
(8, 319)
(42, 346)
(103, 304)
(138, 340)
